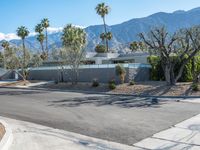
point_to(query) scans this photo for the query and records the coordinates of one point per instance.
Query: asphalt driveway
(123, 119)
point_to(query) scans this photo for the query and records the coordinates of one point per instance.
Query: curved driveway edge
(30, 136)
(7, 139)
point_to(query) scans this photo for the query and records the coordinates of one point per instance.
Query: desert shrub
(100, 48)
(121, 72)
(132, 82)
(195, 87)
(112, 81)
(95, 83)
(112, 84)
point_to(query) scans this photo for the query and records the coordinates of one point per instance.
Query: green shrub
(95, 83)
(112, 81)
(112, 84)
(195, 87)
(132, 82)
(100, 48)
(157, 73)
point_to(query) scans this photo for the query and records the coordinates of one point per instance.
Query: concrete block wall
(88, 74)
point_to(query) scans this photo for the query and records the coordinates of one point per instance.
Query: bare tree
(184, 45)
(14, 60)
(60, 55)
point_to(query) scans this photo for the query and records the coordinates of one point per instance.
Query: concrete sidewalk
(3, 82)
(29, 136)
(183, 136)
(34, 85)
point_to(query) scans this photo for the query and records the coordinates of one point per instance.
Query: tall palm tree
(103, 10)
(40, 37)
(45, 24)
(23, 32)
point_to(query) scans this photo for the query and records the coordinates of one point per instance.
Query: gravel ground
(157, 89)
(79, 86)
(151, 88)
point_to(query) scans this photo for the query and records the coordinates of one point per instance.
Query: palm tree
(109, 36)
(103, 37)
(45, 24)
(103, 10)
(134, 46)
(74, 40)
(23, 32)
(5, 44)
(40, 37)
(39, 28)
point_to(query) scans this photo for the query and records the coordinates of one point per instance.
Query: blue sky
(15, 13)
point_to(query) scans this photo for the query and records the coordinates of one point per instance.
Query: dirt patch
(79, 86)
(157, 89)
(151, 88)
(2, 131)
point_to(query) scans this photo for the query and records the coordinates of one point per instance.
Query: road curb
(7, 139)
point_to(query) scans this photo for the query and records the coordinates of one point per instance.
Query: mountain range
(126, 32)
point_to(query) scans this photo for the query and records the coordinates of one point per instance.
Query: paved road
(122, 119)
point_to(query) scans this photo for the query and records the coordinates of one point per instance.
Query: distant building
(108, 58)
(114, 58)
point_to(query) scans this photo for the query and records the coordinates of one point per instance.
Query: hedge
(157, 73)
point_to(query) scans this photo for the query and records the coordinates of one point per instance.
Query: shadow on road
(120, 101)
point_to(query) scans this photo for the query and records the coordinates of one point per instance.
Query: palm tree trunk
(47, 51)
(24, 59)
(42, 47)
(104, 22)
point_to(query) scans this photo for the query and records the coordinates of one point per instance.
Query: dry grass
(2, 131)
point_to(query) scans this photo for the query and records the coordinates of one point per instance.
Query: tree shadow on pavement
(120, 101)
